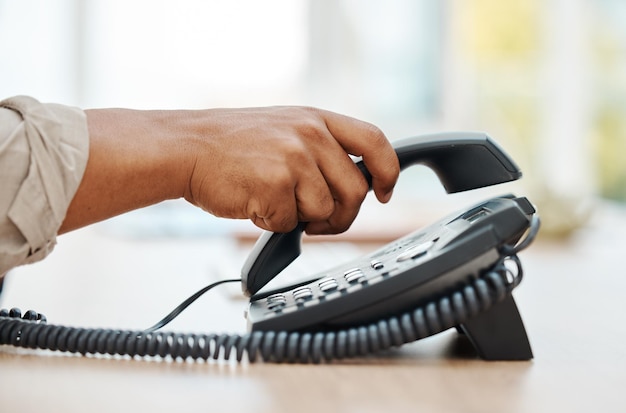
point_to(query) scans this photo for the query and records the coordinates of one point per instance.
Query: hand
(280, 165)
(275, 166)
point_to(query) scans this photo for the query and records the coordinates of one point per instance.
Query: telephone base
(499, 333)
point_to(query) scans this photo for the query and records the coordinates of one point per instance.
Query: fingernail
(387, 196)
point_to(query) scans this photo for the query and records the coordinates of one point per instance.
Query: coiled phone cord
(31, 331)
(449, 310)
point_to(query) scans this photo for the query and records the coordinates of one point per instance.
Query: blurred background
(545, 78)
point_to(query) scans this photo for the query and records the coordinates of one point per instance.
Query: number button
(328, 284)
(415, 251)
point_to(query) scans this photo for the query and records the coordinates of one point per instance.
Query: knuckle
(327, 208)
(321, 210)
(357, 193)
(311, 124)
(374, 134)
(284, 222)
(312, 130)
(339, 226)
(277, 220)
(291, 152)
(277, 183)
(324, 209)
(276, 178)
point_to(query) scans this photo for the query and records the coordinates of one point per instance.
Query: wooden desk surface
(571, 299)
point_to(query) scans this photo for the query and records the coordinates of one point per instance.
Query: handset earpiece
(461, 160)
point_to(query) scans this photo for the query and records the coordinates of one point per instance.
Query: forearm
(136, 159)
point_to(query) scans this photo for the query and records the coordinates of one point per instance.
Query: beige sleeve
(43, 154)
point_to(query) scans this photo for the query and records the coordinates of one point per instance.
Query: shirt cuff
(43, 155)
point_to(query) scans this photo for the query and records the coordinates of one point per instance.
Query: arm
(63, 168)
(275, 166)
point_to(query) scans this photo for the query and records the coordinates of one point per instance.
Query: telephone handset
(461, 160)
(458, 272)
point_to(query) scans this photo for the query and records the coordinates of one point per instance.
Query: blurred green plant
(610, 149)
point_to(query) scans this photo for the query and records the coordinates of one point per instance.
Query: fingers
(340, 136)
(277, 166)
(347, 185)
(338, 179)
(282, 219)
(290, 191)
(366, 140)
(346, 182)
(314, 199)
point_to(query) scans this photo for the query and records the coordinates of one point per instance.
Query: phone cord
(32, 331)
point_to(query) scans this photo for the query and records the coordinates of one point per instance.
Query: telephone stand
(498, 333)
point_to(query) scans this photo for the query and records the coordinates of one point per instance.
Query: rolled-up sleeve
(43, 155)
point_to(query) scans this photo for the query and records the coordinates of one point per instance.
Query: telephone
(458, 272)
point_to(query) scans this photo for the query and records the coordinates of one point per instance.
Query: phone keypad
(353, 292)
(350, 280)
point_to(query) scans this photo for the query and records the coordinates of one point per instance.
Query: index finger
(369, 142)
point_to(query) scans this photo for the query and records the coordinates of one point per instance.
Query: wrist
(172, 158)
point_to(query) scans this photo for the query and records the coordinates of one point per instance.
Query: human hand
(280, 165)
(275, 166)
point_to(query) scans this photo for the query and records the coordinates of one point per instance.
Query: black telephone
(459, 272)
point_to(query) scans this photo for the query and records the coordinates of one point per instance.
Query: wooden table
(571, 300)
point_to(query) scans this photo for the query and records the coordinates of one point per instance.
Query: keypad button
(353, 276)
(276, 302)
(276, 298)
(302, 294)
(276, 305)
(415, 251)
(377, 265)
(328, 285)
